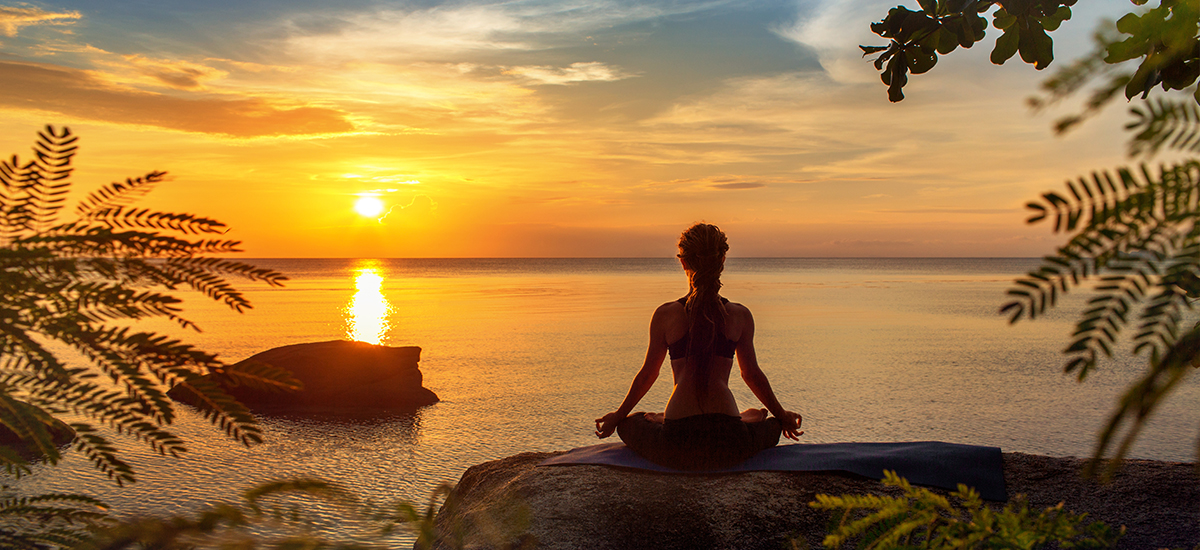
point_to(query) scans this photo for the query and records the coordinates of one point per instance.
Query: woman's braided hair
(702, 247)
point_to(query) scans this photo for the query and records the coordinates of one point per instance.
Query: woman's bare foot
(656, 417)
(754, 415)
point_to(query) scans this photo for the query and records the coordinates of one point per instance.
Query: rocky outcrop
(60, 434)
(508, 502)
(338, 376)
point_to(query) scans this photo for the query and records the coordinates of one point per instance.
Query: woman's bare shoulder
(734, 308)
(669, 308)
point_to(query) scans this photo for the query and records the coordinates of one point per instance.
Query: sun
(370, 207)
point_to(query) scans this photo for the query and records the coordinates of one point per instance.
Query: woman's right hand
(607, 424)
(791, 425)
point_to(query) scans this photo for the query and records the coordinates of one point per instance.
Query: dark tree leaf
(920, 59)
(1006, 45)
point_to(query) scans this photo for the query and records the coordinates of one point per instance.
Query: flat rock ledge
(508, 502)
(339, 376)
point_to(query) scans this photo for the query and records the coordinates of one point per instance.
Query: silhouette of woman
(703, 332)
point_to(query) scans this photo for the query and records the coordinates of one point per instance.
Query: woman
(703, 332)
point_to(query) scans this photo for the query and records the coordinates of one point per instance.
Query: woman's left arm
(757, 381)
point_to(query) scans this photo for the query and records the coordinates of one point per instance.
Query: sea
(526, 353)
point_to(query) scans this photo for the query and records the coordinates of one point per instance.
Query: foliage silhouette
(1164, 39)
(924, 519)
(72, 284)
(288, 513)
(73, 288)
(77, 286)
(1133, 230)
(50, 520)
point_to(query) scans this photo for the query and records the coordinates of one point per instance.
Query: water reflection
(368, 311)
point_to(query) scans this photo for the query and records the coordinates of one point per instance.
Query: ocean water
(525, 353)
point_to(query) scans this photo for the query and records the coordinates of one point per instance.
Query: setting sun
(370, 207)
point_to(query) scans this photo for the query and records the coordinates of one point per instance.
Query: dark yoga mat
(931, 463)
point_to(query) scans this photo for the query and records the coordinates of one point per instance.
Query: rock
(338, 376)
(60, 433)
(601, 507)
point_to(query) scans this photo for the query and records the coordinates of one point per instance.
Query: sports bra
(723, 347)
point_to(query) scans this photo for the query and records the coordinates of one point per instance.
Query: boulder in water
(60, 433)
(338, 376)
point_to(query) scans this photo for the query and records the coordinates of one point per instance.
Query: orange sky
(546, 128)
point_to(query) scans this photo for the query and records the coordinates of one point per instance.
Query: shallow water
(526, 353)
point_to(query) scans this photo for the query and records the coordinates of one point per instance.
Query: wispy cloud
(590, 71)
(740, 185)
(78, 93)
(13, 18)
(438, 33)
(182, 75)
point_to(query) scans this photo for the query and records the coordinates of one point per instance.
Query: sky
(548, 128)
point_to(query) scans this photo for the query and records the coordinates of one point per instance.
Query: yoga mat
(931, 463)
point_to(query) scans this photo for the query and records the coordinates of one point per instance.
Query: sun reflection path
(368, 311)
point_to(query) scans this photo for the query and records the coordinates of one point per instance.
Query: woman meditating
(703, 332)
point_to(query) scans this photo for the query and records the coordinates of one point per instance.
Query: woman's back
(695, 392)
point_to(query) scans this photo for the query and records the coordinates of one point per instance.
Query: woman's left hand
(791, 425)
(607, 424)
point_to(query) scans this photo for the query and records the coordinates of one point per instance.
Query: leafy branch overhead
(1163, 38)
(77, 283)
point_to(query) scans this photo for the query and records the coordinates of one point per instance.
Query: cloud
(181, 75)
(591, 71)
(12, 18)
(420, 204)
(79, 93)
(740, 185)
(451, 30)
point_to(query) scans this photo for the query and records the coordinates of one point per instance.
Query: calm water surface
(526, 353)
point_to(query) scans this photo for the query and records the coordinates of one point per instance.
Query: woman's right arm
(656, 353)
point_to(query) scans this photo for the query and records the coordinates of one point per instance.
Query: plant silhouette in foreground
(924, 519)
(1135, 232)
(70, 291)
(1131, 229)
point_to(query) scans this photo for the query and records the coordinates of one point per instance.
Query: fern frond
(1160, 123)
(118, 194)
(50, 521)
(1108, 313)
(1143, 397)
(13, 463)
(15, 341)
(218, 407)
(120, 217)
(1126, 226)
(35, 192)
(30, 424)
(259, 376)
(102, 454)
(230, 267)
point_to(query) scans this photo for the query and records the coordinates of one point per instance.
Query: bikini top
(723, 347)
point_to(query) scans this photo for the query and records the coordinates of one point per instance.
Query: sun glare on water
(370, 207)
(368, 310)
